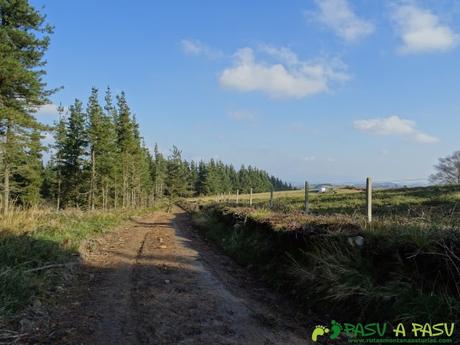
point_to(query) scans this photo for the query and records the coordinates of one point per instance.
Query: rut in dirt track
(157, 282)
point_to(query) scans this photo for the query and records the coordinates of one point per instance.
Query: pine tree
(192, 177)
(56, 166)
(102, 142)
(224, 178)
(211, 184)
(126, 146)
(202, 178)
(159, 173)
(74, 157)
(137, 166)
(244, 180)
(24, 38)
(145, 178)
(233, 177)
(111, 122)
(96, 145)
(107, 167)
(176, 183)
(148, 179)
(109, 108)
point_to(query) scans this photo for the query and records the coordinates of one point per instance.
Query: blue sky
(329, 90)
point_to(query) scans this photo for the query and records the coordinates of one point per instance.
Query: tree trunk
(106, 198)
(6, 189)
(103, 197)
(6, 170)
(125, 188)
(58, 201)
(115, 201)
(93, 179)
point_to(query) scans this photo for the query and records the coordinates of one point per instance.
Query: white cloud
(424, 138)
(394, 125)
(48, 110)
(283, 54)
(242, 115)
(195, 47)
(191, 47)
(309, 158)
(421, 31)
(290, 77)
(339, 17)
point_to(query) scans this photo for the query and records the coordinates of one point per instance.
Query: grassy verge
(339, 268)
(37, 246)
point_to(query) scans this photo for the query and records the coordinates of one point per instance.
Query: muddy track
(157, 282)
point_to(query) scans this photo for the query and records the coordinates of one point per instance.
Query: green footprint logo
(336, 328)
(319, 331)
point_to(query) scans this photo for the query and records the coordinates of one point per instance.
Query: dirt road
(157, 282)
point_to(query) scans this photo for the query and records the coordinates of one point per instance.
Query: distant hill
(377, 185)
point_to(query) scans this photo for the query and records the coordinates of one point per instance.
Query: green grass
(34, 239)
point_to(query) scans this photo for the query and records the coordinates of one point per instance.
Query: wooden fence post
(271, 198)
(237, 196)
(306, 206)
(250, 198)
(369, 199)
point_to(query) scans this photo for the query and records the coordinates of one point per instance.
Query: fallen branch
(9, 337)
(49, 266)
(5, 271)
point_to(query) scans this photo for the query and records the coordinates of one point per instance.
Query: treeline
(98, 159)
(216, 177)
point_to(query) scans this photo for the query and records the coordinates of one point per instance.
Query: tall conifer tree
(24, 39)
(126, 145)
(74, 157)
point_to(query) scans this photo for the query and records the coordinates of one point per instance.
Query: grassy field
(404, 266)
(436, 206)
(38, 247)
